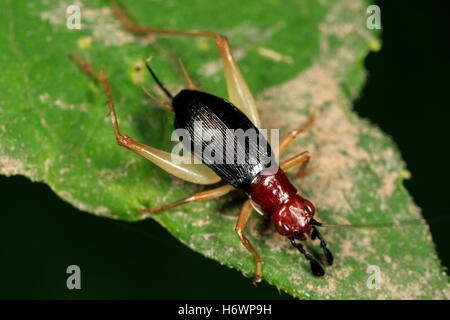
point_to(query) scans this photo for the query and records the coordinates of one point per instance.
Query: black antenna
(163, 88)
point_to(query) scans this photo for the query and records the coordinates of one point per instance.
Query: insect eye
(308, 208)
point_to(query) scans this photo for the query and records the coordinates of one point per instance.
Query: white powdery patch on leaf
(104, 26)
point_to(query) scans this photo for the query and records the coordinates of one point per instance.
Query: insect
(269, 191)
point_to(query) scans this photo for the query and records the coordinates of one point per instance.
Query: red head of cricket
(275, 196)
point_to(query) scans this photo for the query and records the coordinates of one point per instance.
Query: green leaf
(295, 55)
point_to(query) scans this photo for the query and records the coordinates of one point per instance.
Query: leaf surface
(295, 55)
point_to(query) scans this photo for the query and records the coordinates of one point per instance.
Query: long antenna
(401, 223)
(163, 88)
(371, 225)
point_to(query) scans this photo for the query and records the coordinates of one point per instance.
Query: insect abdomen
(222, 137)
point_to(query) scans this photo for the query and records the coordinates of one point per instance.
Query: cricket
(269, 192)
(285, 150)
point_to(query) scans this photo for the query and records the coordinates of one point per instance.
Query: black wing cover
(234, 156)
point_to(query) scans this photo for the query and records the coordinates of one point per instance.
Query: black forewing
(236, 155)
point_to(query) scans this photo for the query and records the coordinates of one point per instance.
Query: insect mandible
(269, 193)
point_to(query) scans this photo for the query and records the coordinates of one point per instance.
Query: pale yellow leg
(246, 211)
(238, 92)
(171, 163)
(289, 138)
(164, 104)
(300, 159)
(190, 84)
(196, 197)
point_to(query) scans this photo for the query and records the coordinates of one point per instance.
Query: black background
(407, 95)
